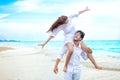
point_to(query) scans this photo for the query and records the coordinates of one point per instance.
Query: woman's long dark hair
(61, 20)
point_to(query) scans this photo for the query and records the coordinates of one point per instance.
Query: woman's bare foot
(98, 67)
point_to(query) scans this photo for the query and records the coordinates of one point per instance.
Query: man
(73, 67)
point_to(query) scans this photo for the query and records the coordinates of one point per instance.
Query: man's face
(77, 36)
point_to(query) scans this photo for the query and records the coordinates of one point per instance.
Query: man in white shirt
(73, 67)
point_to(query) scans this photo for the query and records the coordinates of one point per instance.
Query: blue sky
(30, 19)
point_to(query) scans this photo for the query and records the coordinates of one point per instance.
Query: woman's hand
(87, 9)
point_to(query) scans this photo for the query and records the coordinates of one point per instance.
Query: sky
(30, 19)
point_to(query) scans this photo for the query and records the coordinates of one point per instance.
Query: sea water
(103, 45)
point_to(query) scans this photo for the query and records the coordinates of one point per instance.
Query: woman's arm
(50, 37)
(79, 12)
(86, 9)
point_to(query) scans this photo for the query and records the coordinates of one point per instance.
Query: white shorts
(68, 39)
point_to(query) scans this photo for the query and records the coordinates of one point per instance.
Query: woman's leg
(70, 51)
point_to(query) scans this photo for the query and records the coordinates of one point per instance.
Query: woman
(65, 24)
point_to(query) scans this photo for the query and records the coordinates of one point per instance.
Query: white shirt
(74, 63)
(68, 29)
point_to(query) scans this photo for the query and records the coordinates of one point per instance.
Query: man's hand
(55, 70)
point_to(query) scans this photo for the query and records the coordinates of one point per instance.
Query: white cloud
(102, 33)
(97, 8)
(3, 15)
(27, 5)
(23, 31)
(106, 9)
(39, 6)
(101, 8)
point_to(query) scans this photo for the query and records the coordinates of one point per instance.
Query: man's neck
(76, 42)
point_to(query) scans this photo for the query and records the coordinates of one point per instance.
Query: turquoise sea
(103, 45)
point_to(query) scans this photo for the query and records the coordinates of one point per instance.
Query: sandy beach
(37, 64)
(5, 48)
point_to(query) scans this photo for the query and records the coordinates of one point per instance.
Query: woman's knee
(70, 51)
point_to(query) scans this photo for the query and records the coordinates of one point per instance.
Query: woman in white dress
(65, 24)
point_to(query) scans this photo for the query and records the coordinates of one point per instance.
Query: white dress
(68, 29)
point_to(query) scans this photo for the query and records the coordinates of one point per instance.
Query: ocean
(102, 45)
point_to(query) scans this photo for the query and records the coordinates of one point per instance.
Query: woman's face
(77, 36)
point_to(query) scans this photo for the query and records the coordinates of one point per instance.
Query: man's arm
(85, 48)
(90, 56)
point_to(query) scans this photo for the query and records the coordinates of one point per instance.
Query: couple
(73, 68)
(64, 23)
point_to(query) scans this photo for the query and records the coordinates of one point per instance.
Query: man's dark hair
(81, 32)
